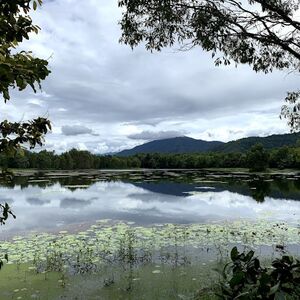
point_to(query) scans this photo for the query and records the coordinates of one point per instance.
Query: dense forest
(257, 158)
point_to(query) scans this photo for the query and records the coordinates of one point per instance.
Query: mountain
(173, 145)
(269, 142)
(190, 145)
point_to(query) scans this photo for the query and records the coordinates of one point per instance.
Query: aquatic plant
(2, 259)
(110, 253)
(245, 278)
(5, 212)
(115, 243)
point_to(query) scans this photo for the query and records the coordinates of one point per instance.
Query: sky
(104, 97)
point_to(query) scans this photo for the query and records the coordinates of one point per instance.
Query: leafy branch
(262, 34)
(19, 70)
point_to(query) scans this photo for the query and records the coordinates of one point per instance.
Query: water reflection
(258, 189)
(36, 201)
(74, 203)
(52, 202)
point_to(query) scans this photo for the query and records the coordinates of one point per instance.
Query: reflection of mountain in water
(172, 188)
(257, 189)
(277, 186)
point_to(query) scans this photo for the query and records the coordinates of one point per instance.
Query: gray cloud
(151, 135)
(76, 130)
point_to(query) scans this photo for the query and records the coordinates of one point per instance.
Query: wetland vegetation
(168, 231)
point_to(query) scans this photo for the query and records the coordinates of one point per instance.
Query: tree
(19, 69)
(257, 158)
(264, 34)
(283, 158)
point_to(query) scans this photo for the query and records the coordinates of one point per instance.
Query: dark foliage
(19, 69)
(256, 159)
(245, 278)
(262, 34)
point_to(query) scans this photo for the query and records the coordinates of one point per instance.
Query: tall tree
(262, 33)
(19, 69)
(257, 158)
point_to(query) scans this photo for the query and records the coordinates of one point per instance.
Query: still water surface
(52, 201)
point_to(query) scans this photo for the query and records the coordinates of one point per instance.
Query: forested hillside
(189, 145)
(173, 145)
(269, 142)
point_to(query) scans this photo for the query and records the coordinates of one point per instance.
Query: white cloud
(36, 102)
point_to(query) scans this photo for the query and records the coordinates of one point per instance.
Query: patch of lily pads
(114, 243)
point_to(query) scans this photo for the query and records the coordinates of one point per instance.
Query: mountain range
(189, 145)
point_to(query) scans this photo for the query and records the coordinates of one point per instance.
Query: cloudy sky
(104, 97)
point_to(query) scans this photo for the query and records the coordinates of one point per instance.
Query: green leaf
(237, 279)
(234, 254)
(249, 255)
(274, 289)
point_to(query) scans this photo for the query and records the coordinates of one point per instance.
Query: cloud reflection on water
(45, 208)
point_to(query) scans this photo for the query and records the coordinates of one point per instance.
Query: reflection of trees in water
(169, 183)
(72, 182)
(297, 184)
(260, 189)
(44, 182)
(283, 185)
(22, 182)
(280, 188)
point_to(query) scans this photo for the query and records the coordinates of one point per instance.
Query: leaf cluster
(5, 211)
(245, 278)
(1, 260)
(262, 34)
(15, 134)
(291, 110)
(18, 69)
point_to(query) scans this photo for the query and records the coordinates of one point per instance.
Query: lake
(119, 234)
(51, 200)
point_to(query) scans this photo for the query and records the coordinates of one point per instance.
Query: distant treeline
(257, 159)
